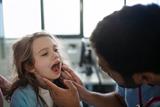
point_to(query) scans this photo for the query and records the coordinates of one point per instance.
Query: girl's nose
(55, 56)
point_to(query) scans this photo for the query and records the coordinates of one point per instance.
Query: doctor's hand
(64, 97)
(69, 74)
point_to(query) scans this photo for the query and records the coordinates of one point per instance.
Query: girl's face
(47, 60)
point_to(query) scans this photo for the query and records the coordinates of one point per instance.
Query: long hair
(23, 58)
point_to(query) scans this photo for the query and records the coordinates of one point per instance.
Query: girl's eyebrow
(42, 50)
(54, 46)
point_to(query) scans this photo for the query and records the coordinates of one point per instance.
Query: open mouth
(56, 67)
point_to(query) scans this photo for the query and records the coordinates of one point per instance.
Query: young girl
(36, 56)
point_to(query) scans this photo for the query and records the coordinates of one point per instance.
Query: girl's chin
(55, 77)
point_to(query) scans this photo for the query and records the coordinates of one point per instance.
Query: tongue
(55, 69)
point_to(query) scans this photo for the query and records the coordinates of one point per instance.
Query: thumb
(80, 88)
(69, 84)
(76, 84)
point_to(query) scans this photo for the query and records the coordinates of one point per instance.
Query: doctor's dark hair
(129, 39)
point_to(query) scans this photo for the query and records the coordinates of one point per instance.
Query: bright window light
(95, 10)
(21, 17)
(133, 2)
(62, 17)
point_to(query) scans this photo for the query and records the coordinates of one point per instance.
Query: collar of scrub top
(140, 96)
(155, 101)
(150, 103)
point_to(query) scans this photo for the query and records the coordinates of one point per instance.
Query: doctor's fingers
(81, 90)
(54, 89)
(66, 75)
(72, 73)
(70, 85)
(68, 69)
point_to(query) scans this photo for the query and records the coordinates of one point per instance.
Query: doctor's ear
(148, 77)
(143, 78)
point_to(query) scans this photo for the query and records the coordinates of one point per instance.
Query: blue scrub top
(131, 96)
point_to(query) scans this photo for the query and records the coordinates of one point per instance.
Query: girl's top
(25, 97)
(46, 96)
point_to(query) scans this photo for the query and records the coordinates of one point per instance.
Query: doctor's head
(127, 45)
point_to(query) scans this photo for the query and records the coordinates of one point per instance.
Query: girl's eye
(56, 50)
(44, 54)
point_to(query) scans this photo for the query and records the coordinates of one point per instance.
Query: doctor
(127, 46)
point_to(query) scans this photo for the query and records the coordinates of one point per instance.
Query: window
(21, 17)
(1, 21)
(95, 10)
(133, 2)
(62, 17)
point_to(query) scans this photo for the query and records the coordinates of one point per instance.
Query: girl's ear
(29, 68)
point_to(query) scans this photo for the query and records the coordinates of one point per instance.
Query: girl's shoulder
(24, 97)
(24, 91)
